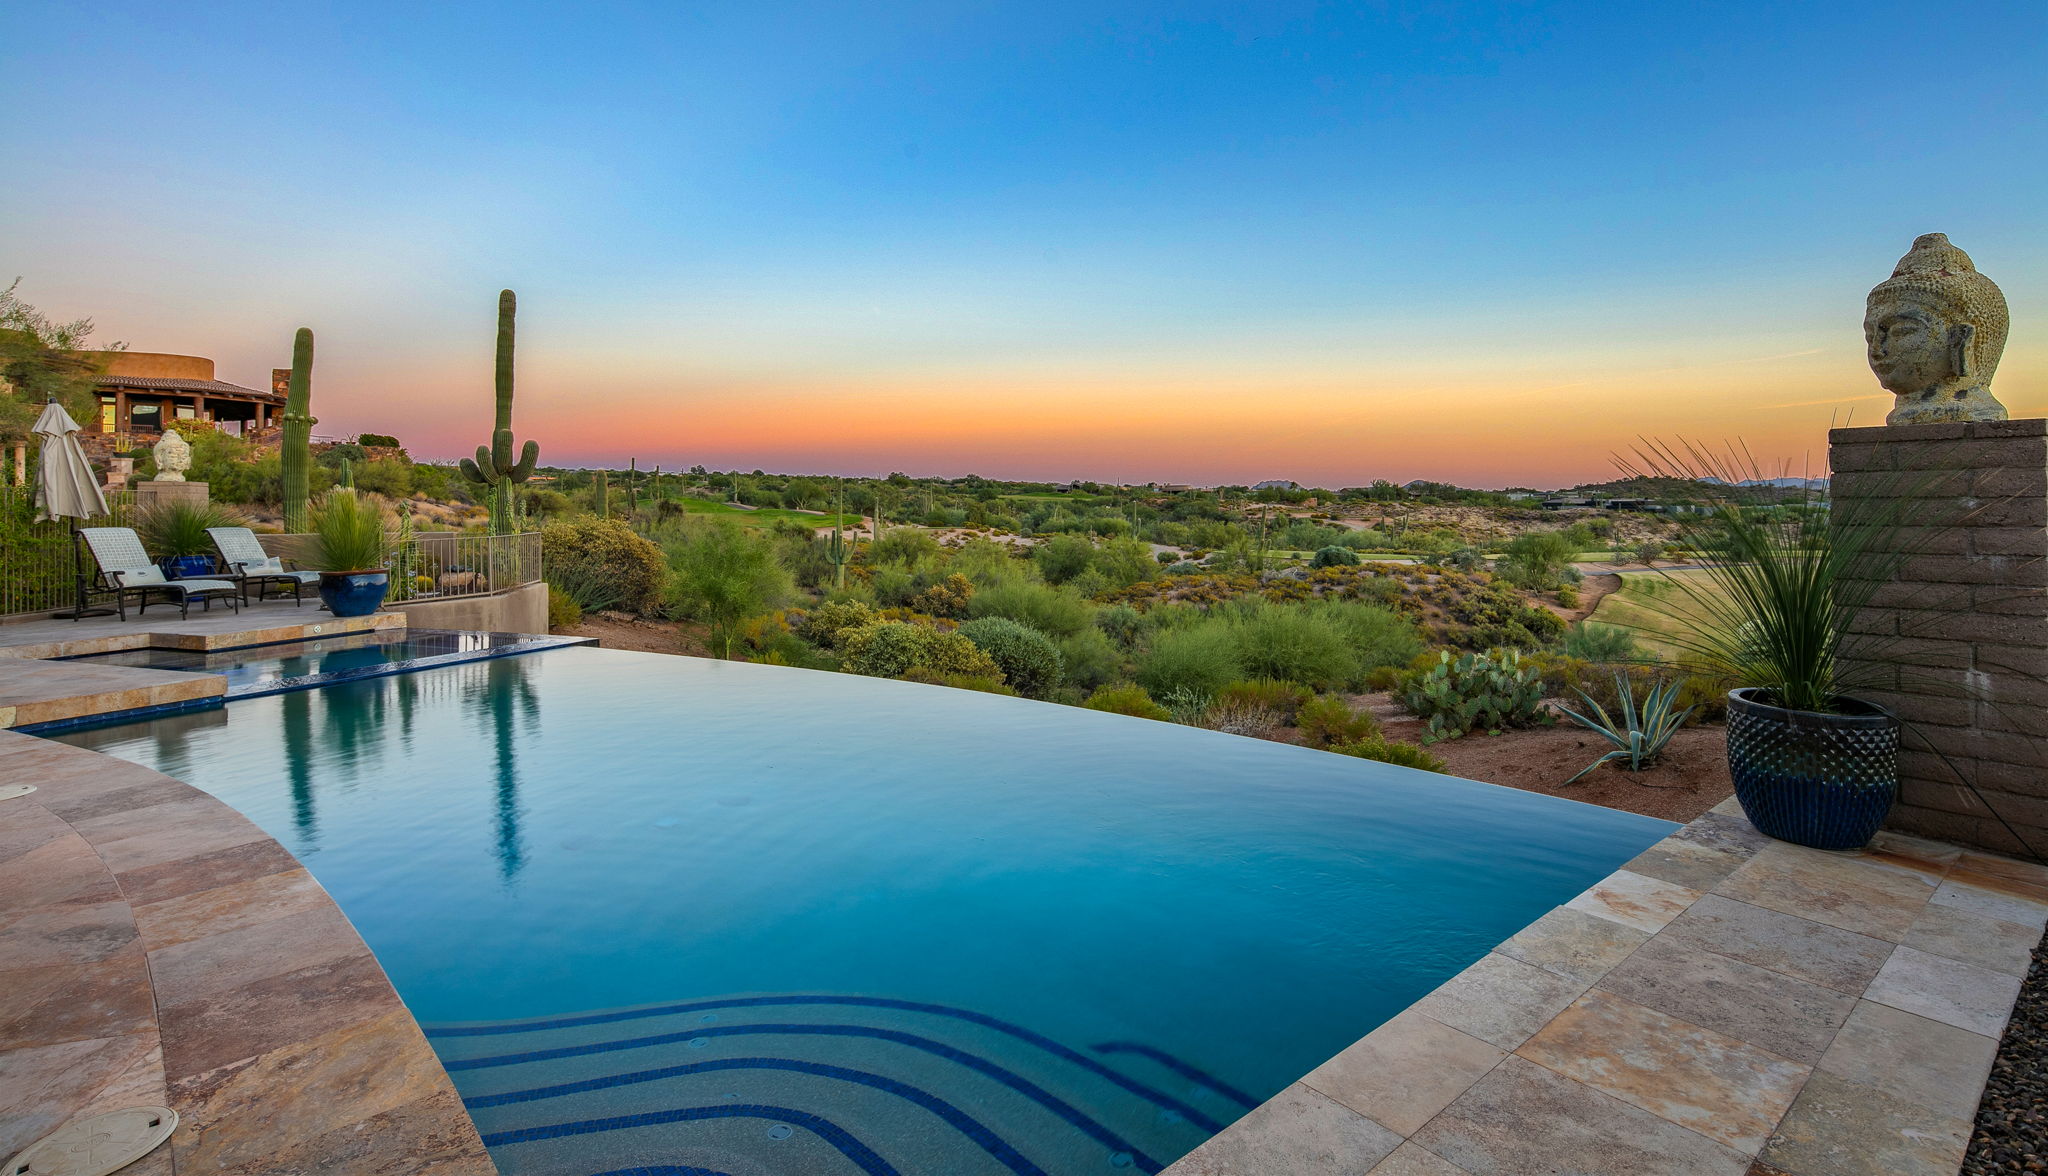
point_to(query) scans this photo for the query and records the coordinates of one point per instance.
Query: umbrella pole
(79, 579)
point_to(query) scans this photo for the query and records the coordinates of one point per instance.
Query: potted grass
(175, 533)
(348, 541)
(1770, 605)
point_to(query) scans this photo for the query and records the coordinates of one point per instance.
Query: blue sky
(1207, 238)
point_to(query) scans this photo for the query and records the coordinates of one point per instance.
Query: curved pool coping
(157, 947)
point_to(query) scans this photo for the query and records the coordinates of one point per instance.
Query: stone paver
(1405, 1071)
(1949, 991)
(1724, 1089)
(1524, 1118)
(1296, 1130)
(1723, 1003)
(1780, 1013)
(1574, 944)
(1500, 1000)
(1635, 900)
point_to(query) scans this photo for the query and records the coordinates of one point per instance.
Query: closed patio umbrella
(66, 487)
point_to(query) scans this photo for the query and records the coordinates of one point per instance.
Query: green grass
(1645, 604)
(766, 516)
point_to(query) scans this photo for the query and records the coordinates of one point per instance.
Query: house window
(146, 418)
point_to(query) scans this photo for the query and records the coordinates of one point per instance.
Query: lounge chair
(126, 570)
(246, 561)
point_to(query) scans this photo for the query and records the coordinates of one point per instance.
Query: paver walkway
(1723, 1004)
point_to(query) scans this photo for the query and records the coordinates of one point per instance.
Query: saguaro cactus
(601, 496)
(494, 465)
(296, 450)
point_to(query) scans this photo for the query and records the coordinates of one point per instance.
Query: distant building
(1172, 487)
(1277, 484)
(141, 392)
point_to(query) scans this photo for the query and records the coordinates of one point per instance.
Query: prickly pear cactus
(1475, 691)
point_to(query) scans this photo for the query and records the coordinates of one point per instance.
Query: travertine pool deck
(1723, 1004)
(158, 948)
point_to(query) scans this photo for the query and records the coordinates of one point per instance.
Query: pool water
(682, 915)
(296, 665)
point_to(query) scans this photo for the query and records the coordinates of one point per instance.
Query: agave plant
(1639, 733)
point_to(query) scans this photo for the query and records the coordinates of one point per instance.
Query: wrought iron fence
(37, 565)
(432, 565)
(38, 561)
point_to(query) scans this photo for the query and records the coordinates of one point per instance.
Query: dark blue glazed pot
(353, 594)
(187, 567)
(1821, 780)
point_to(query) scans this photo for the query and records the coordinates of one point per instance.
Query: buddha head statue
(1935, 330)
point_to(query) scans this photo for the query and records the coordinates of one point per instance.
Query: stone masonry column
(1965, 627)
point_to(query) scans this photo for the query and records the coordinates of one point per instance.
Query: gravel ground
(2012, 1121)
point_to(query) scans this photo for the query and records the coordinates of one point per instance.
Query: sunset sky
(1488, 244)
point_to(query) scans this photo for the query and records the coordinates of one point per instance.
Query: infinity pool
(297, 665)
(669, 914)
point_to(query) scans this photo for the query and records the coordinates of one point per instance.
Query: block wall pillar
(1962, 634)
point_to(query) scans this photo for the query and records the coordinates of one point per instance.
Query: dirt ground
(620, 631)
(1691, 778)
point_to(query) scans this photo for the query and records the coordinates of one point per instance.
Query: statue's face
(1911, 344)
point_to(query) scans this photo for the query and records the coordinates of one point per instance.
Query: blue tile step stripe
(825, 1083)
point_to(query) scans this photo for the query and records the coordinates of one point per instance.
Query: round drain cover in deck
(96, 1145)
(10, 791)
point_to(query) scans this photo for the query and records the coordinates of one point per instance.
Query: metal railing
(435, 565)
(38, 561)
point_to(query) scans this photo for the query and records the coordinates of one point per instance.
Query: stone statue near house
(1935, 330)
(173, 457)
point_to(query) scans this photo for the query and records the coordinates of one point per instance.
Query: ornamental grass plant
(348, 533)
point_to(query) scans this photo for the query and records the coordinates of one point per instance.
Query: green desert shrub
(1295, 645)
(1125, 561)
(890, 649)
(1391, 751)
(1599, 643)
(1049, 610)
(826, 623)
(1205, 656)
(1334, 556)
(1378, 635)
(1538, 559)
(1091, 659)
(982, 684)
(1127, 700)
(1063, 557)
(1284, 699)
(602, 564)
(1475, 691)
(904, 546)
(1121, 623)
(1327, 720)
(563, 611)
(724, 573)
(1030, 662)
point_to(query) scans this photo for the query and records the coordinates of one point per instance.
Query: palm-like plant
(1774, 600)
(1639, 733)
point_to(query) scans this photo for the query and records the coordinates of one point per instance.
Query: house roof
(167, 384)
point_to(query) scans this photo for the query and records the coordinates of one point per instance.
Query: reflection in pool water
(667, 911)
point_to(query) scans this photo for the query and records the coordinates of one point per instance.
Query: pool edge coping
(1453, 1076)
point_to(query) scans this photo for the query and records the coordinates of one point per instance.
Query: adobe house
(141, 392)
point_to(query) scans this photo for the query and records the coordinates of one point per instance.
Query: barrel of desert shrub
(1820, 780)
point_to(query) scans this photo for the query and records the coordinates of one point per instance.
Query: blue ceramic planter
(353, 594)
(187, 567)
(1825, 781)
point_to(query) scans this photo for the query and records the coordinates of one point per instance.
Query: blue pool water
(747, 920)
